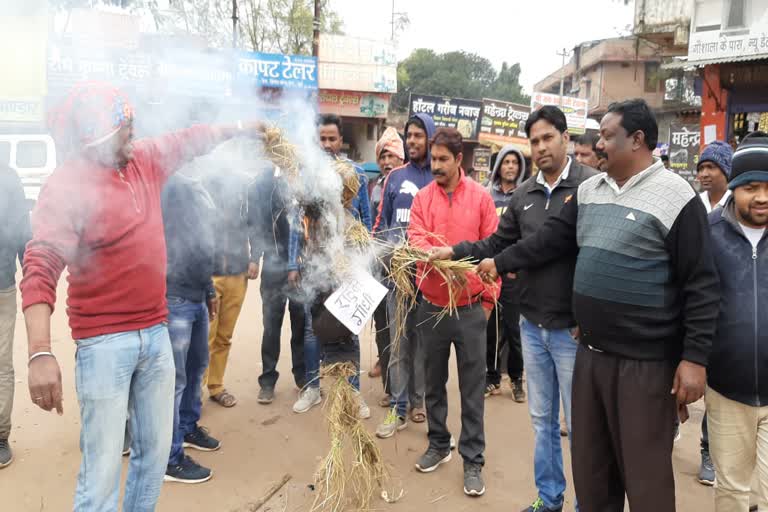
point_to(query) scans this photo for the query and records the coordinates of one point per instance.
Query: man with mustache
(406, 365)
(645, 294)
(452, 208)
(99, 215)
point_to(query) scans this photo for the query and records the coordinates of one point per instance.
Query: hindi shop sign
(503, 122)
(354, 104)
(575, 109)
(684, 150)
(713, 44)
(355, 301)
(464, 115)
(277, 71)
(357, 77)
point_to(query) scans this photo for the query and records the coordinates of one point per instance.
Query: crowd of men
(600, 277)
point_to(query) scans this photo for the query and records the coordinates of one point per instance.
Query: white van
(32, 156)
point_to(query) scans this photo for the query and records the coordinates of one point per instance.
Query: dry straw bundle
(281, 152)
(402, 272)
(343, 484)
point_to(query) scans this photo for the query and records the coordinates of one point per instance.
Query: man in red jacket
(99, 216)
(453, 208)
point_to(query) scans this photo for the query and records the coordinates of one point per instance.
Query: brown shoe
(224, 399)
(375, 372)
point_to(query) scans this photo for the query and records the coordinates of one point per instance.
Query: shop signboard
(464, 115)
(357, 77)
(575, 109)
(749, 42)
(684, 150)
(354, 104)
(503, 123)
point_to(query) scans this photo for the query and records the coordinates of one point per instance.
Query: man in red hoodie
(99, 215)
(452, 208)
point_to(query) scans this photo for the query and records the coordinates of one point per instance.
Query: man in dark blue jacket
(406, 367)
(737, 375)
(188, 212)
(14, 235)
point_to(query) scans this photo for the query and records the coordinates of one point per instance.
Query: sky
(530, 32)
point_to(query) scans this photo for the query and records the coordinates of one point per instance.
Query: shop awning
(684, 64)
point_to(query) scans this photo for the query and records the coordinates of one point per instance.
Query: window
(708, 15)
(652, 75)
(31, 154)
(734, 13)
(5, 153)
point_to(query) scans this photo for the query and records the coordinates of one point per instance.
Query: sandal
(224, 399)
(418, 415)
(385, 401)
(375, 372)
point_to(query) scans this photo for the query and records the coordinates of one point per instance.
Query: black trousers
(466, 331)
(623, 426)
(381, 323)
(504, 323)
(274, 295)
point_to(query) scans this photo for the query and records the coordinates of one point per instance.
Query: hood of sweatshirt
(494, 182)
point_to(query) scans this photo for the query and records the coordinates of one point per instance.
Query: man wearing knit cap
(390, 154)
(99, 215)
(712, 172)
(737, 375)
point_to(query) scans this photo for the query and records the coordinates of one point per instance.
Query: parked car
(33, 157)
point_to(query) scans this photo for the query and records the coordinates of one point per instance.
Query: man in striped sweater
(645, 295)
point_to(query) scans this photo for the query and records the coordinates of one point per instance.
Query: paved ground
(261, 443)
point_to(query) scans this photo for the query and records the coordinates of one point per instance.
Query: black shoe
(6, 455)
(538, 506)
(266, 396)
(518, 391)
(431, 460)
(188, 472)
(473, 480)
(200, 440)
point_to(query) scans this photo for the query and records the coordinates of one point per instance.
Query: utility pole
(563, 54)
(316, 30)
(234, 23)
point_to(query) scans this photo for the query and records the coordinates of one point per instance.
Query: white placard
(355, 301)
(710, 134)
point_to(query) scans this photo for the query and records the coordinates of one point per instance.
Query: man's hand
(254, 129)
(45, 384)
(253, 270)
(213, 307)
(689, 383)
(487, 270)
(294, 278)
(440, 253)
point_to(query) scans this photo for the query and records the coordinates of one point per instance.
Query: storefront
(747, 100)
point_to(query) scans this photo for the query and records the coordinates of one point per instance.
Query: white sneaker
(365, 411)
(308, 398)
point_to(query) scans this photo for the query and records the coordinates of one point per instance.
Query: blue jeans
(117, 374)
(407, 364)
(188, 329)
(312, 355)
(549, 357)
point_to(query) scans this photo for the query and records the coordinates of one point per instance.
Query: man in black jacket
(234, 266)
(188, 212)
(645, 294)
(547, 324)
(737, 375)
(268, 198)
(14, 235)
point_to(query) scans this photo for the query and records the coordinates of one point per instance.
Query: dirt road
(261, 443)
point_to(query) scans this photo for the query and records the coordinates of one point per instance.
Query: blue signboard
(156, 73)
(274, 70)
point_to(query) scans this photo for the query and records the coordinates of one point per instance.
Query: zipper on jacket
(130, 187)
(754, 286)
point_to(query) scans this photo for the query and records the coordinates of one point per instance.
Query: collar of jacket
(460, 186)
(574, 179)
